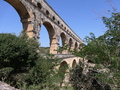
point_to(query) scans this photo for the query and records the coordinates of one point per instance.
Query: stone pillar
(31, 28)
(72, 47)
(66, 49)
(53, 46)
(28, 27)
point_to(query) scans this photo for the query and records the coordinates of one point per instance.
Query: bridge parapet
(62, 56)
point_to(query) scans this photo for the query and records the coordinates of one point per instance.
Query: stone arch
(47, 12)
(64, 42)
(58, 22)
(53, 18)
(39, 6)
(74, 63)
(63, 37)
(25, 16)
(52, 37)
(76, 45)
(63, 66)
(70, 44)
(63, 69)
(63, 63)
(11, 22)
(19, 7)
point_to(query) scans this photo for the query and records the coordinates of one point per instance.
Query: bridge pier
(53, 46)
(28, 27)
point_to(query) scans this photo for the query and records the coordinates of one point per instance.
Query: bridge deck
(63, 56)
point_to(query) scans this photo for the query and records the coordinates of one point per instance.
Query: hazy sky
(83, 16)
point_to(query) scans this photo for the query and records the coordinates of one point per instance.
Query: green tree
(17, 56)
(15, 53)
(105, 51)
(44, 74)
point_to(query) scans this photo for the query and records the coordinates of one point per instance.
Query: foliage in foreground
(104, 51)
(84, 79)
(15, 53)
(22, 66)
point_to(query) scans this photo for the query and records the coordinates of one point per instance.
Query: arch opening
(48, 37)
(76, 46)
(58, 22)
(63, 66)
(74, 63)
(53, 18)
(63, 69)
(47, 12)
(62, 43)
(20, 8)
(44, 40)
(24, 15)
(63, 38)
(39, 6)
(70, 44)
(10, 19)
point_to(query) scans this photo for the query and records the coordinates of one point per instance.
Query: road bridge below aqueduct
(35, 13)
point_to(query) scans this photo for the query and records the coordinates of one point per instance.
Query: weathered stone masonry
(34, 13)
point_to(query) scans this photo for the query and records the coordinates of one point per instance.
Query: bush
(17, 56)
(43, 74)
(86, 80)
(15, 53)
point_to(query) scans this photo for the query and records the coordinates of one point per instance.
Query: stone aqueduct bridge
(34, 13)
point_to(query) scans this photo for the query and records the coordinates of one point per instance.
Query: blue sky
(83, 16)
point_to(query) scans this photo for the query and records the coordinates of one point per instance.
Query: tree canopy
(104, 51)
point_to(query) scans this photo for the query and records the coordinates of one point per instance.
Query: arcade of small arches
(35, 13)
(71, 62)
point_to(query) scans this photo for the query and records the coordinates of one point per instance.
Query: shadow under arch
(63, 66)
(74, 63)
(76, 45)
(70, 44)
(52, 37)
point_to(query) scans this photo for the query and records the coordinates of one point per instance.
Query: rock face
(4, 86)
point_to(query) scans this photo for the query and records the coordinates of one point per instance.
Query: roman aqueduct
(34, 13)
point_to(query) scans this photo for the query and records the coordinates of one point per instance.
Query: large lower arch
(71, 44)
(9, 19)
(19, 7)
(76, 46)
(64, 43)
(63, 37)
(52, 37)
(24, 14)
